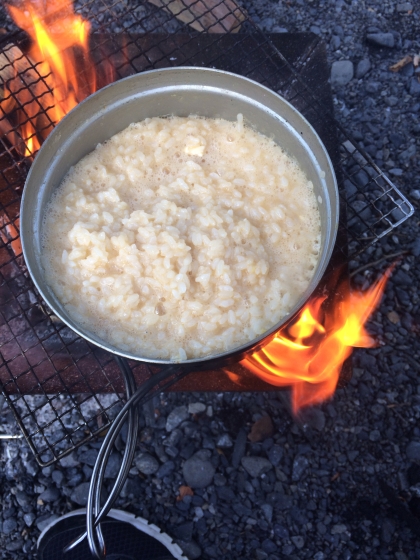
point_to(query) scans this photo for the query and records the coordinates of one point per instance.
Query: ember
(308, 354)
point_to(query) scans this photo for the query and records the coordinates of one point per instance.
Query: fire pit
(43, 357)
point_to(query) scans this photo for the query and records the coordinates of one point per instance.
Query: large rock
(198, 473)
(342, 72)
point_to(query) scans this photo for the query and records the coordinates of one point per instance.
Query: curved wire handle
(94, 513)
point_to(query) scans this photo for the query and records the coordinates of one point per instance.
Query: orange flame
(54, 76)
(308, 355)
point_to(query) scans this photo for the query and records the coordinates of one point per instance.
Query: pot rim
(94, 99)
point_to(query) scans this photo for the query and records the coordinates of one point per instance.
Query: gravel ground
(342, 482)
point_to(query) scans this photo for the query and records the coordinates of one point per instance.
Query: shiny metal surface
(181, 92)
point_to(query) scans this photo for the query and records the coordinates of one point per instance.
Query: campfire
(308, 355)
(57, 73)
(51, 78)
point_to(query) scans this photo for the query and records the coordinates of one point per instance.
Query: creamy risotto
(182, 237)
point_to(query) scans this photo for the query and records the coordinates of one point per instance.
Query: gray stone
(373, 87)
(132, 488)
(226, 494)
(268, 512)
(113, 466)
(381, 39)
(320, 527)
(190, 549)
(275, 455)
(407, 154)
(57, 477)
(342, 72)
(415, 247)
(196, 408)
(407, 70)
(176, 417)
(335, 42)
(15, 545)
(362, 68)
(404, 7)
(9, 525)
(166, 469)
(396, 172)
(239, 448)
(88, 457)
(280, 531)
(183, 531)
(362, 209)
(388, 529)
(269, 546)
(414, 86)
(50, 494)
(31, 467)
(29, 518)
(338, 529)
(146, 463)
(23, 499)
(413, 451)
(375, 435)
(298, 541)
(350, 187)
(398, 214)
(79, 494)
(391, 101)
(198, 473)
(44, 520)
(219, 480)
(224, 442)
(300, 464)
(415, 193)
(256, 466)
(70, 461)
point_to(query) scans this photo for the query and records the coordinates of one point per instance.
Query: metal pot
(181, 92)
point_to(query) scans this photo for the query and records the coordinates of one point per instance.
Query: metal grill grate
(63, 391)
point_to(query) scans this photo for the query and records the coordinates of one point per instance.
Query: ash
(342, 481)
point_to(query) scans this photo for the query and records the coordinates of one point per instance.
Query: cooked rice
(182, 237)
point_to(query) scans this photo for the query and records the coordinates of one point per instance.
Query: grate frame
(135, 37)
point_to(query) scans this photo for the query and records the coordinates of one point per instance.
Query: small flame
(308, 355)
(53, 77)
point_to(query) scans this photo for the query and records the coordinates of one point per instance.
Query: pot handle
(159, 381)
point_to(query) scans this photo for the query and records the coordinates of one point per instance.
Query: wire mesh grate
(62, 390)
